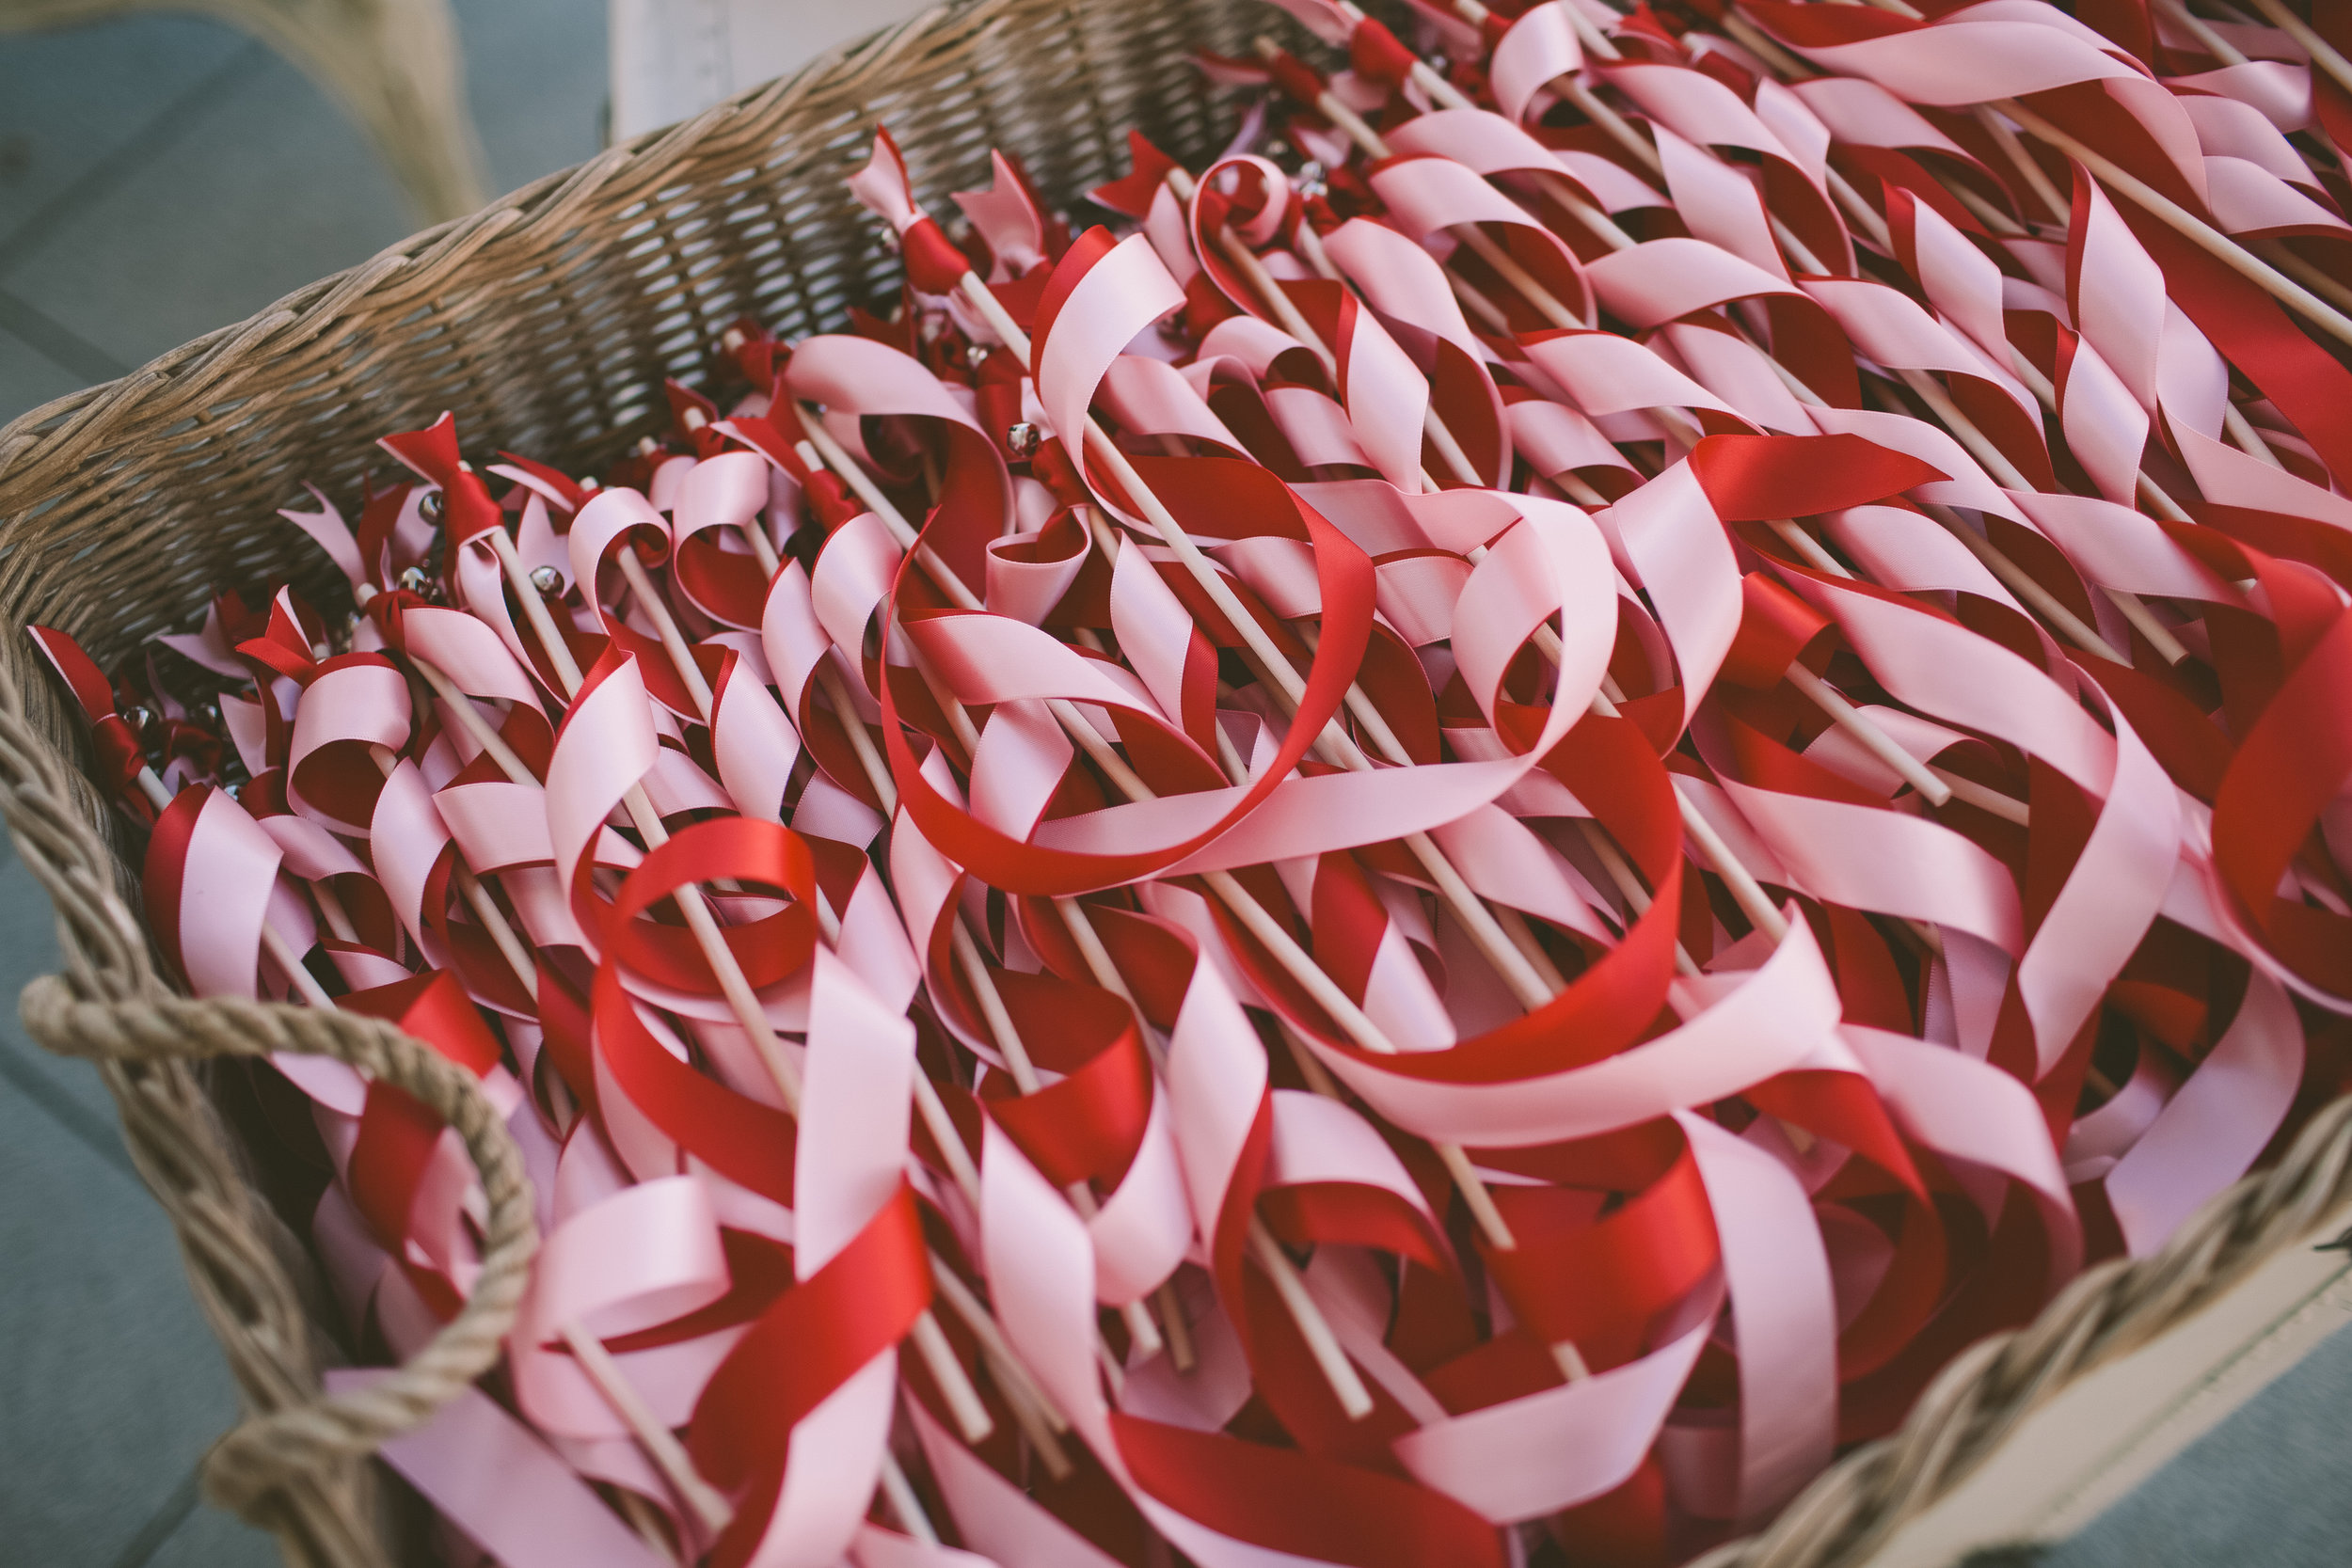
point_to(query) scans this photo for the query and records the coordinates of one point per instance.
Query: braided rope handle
(266, 1453)
(1988, 1391)
(286, 1467)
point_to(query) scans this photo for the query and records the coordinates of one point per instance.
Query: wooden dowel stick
(1261, 281)
(899, 1494)
(502, 935)
(2275, 251)
(1968, 792)
(331, 910)
(660, 1444)
(2187, 225)
(2325, 55)
(2246, 438)
(975, 1312)
(646, 1522)
(559, 652)
(853, 474)
(2018, 581)
(666, 629)
(1930, 392)
(2196, 27)
(1874, 740)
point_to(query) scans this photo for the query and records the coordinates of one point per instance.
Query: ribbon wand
(673, 644)
(1296, 79)
(702, 923)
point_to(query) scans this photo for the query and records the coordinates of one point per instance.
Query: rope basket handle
(111, 1006)
(270, 1452)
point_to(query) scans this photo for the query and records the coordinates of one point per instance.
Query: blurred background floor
(163, 175)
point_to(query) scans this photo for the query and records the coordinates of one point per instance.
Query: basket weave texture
(547, 323)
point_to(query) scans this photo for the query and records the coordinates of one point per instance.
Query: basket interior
(548, 321)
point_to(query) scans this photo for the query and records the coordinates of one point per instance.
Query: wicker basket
(548, 321)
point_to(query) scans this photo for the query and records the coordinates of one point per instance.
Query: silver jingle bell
(415, 580)
(1023, 440)
(975, 355)
(1310, 183)
(546, 579)
(430, 508)
(139, 717)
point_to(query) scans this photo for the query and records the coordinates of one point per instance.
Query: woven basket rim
(36, 441)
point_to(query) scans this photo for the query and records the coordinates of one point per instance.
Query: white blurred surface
(674, 58)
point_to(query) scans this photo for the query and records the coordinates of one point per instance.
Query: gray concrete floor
(2264, 1489)
(163, 175)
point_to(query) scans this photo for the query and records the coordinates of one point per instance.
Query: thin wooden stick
(660, 1444)
(2249, 439)
(2275, 251)
(2187, 225)
(666, 629)
(646, 1522)
(1939, 402)
(2324, 54)
(1874, 740)
(551, 641)
(834, 457)
(331, 910)
(1969, 792)
(2197, 27)
(899, 1494)
(2018, 581)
